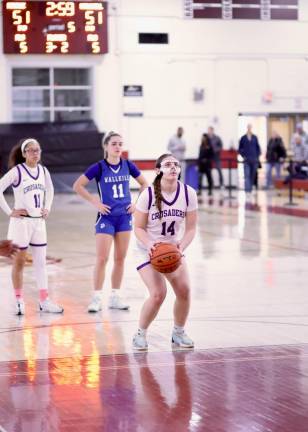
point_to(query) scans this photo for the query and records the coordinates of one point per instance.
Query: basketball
(166, 258)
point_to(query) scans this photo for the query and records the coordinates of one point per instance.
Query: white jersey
(32, 188)
(29, 192)
(168, 225)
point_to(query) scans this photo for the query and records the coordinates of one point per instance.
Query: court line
(194, 319)
(2, 429)
(158, 364)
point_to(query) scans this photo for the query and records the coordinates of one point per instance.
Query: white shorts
(27, 231)
(142, 257)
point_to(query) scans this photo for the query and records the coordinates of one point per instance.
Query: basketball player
(114, 219)
(33, 194)
(165, 212)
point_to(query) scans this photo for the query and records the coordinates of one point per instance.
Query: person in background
(298, 166)
(299, 150)
(205, 160)
(217, 146)
(250, 151)
(177, 147)
(299, 131)
(275, 156)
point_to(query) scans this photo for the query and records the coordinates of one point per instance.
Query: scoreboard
(54, 27)
(242, 9)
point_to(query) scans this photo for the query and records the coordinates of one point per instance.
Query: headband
(26, 142)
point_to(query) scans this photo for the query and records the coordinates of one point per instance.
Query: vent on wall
(153, 38)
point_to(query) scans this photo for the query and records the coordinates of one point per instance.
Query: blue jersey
(113, 183)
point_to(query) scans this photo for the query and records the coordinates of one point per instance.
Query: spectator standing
(250, 151)
(217, 146)
(205, 160)
(275, 156)
(177, 147)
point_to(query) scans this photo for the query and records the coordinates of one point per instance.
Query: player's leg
(17, 280)
(179, 281)
(103, 246)
(156, 285)
(123, 227)
(19, 233)
(38, 243)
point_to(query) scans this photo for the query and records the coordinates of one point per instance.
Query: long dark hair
(15, 156)
(205, 141)
(106, 140)
(157, 181)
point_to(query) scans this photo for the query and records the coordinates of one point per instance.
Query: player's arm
(140, 224)
(136, 174)
(191, 219)
(143, 185)
(142, 182)
(190, 229)
(49, 194)
(80, 188)
(10, 178)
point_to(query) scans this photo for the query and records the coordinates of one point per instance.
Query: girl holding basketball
(165, 212)
(33, 194)
(114, 219)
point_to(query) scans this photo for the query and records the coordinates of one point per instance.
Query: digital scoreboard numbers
(54, 27)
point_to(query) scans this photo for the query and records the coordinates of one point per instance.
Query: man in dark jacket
(275, 156)
(250, 151)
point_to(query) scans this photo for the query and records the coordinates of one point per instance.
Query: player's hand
(19, 213)
(45, 213)
(151, 246)
(131, 208)
(179, 246)
(104, 209)
(7, 248)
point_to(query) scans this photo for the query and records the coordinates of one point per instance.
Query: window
(51, 94)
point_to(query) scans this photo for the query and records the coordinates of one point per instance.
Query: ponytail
(157, 191)
(15, 156)
(156, 182)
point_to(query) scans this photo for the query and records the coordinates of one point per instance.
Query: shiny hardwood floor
(249, 369)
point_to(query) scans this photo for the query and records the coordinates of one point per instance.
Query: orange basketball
(166, 257)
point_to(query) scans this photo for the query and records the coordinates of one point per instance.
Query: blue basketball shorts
(113, 224)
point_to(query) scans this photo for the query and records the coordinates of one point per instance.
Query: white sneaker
(140, 342)
(50, 307)
(182, 340)
(20, 307)
(115, 302)
(96, 304)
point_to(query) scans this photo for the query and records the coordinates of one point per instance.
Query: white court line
(2, 429)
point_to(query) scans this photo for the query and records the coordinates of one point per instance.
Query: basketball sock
(178, 329)
(141, 332)
(18, 293)
(97, 293)
(39, 264)
(43, 294)
(114, 291)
